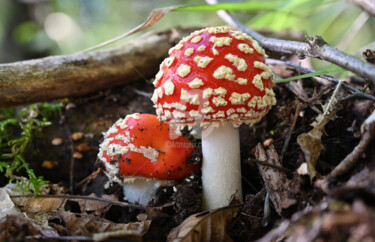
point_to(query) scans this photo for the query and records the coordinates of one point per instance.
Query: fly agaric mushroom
(217, 77)
(141, 153)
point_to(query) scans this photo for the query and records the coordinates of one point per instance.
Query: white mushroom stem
(221, 168)
(142, 190)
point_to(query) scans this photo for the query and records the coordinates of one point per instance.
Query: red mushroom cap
(142, 146)
(214, 75)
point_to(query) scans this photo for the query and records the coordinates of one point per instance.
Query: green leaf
(318, 73)
(248, 6)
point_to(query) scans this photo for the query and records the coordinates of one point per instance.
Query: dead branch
(59, 237)
(368, 133)
(366, 5)
(83, 73)
(315, 47)
(290, 130)
(356, 93)
(99, 199)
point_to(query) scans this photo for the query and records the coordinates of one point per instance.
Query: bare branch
(83, 73)
(356, 93)
(368, 133)
(316, 47)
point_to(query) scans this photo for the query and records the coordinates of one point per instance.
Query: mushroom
(216, 77)
(141, 153)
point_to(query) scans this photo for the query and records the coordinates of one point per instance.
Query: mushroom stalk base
(142, 191)
(221, 168)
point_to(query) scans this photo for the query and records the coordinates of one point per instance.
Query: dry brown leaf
(88, 225)
(311, 143)
(43, 204)
(133, 233)
(205, 226)
(38, 204)
(7, 206)
(16, 228)
(11, 216)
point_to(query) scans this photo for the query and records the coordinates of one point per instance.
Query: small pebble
(268, 142)
(77, 136)
(83, 147)
(77, 155)
(57, 141)
(302, 170)
(49, 164)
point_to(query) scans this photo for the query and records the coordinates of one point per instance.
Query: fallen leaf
(89, 225)
(131, 232)
(42, 204)
(311, 143)
(38, 204)
(16, 228)
(99, 208)
(51, 203)
(205, 226)
(14, 222)
(7, 206)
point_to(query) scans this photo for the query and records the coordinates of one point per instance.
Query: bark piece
(83, 73)
(280, 189)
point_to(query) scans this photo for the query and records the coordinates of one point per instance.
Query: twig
(355, 91)
(142, 93)
(89, 177)
(356, 95)
(333, 99)
(57, 237)
(316, 47)
(289, 134)
(99, 199)
(262, 163)
(72, 159)
(368, 133)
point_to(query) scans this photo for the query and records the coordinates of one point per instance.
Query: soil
(91, 115)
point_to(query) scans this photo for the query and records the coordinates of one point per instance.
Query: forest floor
(298, 207)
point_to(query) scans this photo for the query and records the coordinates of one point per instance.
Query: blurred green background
(36, 28)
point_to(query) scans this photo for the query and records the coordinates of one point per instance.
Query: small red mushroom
(142, 154)
(219, 78)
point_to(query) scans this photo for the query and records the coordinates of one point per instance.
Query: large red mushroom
(142, 154)
(219, 78)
